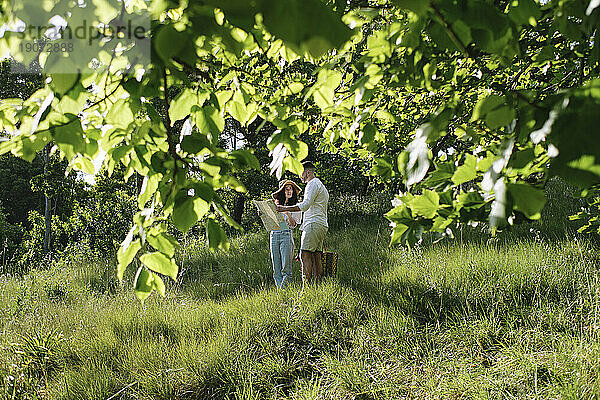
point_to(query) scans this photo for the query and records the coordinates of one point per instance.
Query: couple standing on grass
(311, 213)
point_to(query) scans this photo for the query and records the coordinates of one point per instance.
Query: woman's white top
(297, 215)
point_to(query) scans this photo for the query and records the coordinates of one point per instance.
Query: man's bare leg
(307, 266)
(317, 266)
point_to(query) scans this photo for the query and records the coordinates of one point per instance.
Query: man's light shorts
(312, 237)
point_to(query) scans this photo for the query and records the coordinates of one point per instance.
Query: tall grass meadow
(515, 316)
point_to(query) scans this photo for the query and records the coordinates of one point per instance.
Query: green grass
(517, 316)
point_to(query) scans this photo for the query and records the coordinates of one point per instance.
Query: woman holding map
(282, 240)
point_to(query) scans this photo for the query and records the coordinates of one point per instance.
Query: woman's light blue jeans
(282, 247)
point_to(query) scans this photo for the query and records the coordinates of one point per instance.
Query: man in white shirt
(314, 223)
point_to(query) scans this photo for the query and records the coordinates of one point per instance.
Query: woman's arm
(297, 217)
(291, 219)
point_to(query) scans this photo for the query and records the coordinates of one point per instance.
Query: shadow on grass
(480, 290)
(432, 305)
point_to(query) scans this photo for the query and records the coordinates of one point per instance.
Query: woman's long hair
(281, 198)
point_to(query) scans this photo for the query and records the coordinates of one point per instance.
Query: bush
(99, 222)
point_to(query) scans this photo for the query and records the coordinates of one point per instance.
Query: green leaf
(494, 111)
(330, 78)
(163, 243)
(367, 134)
(63, 82)
(463, 32)
(486, 162)
(398, 233)
(379, 45)
(201, 207)
(158, 284)
(500, 117)
(223, 98)
(243, 159)
(158, 262)
(293, 88)
(204, 191)
(323, 97)
(382, 168)
(149, 187)
(522, 158)
(441, 175)
(467, 171)
(188, 211)
(70, 134)
(238, 111)
(440, 224)
(320, 29)
(216, 236)
(120, 114)
(293, 165)
(583, 172)
(83, 164)
(310, 25)
(573, 133)
(209, 121)
(298, 126)
(524, 12)
(171, 43)
(5, 146)
(184, 216)
(298, 149)
(195, 143)
(417, 6)
(426, 204)
(486, 105)
(407, 233)
(527, 199)
(439, 35)
(469, 200)
(400, 213)
(125, 256)
(181, 105)
(143, 283)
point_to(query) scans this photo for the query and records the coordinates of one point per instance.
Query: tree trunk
(47, 210)
(238, 208)
(365, 186)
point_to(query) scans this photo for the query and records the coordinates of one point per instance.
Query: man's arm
(309, 198)
(288, 208)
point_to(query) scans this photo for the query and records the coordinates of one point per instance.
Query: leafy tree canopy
(472, 104)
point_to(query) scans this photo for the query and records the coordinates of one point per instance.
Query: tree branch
(170, 136)
(453, 36)
(106, 96)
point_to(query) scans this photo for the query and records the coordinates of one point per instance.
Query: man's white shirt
(314, 204)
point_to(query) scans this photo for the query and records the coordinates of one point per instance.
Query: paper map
(271, 218)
